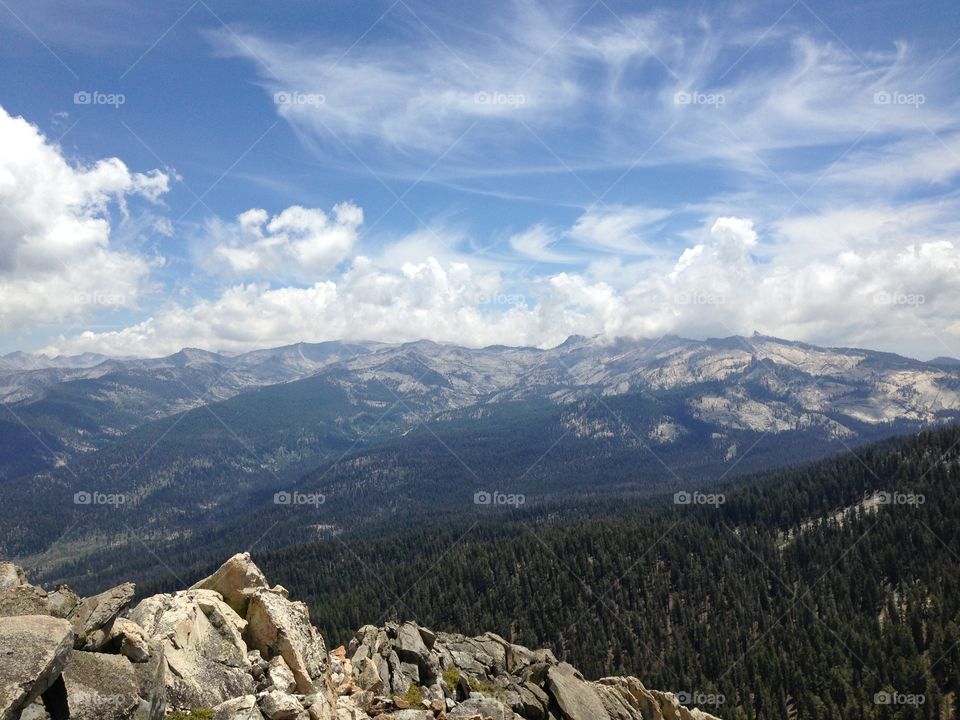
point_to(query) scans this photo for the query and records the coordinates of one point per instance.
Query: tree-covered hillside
(792, 599)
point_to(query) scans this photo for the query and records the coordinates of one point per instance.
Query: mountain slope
(853, 618)
(421, 427)
(75, 410)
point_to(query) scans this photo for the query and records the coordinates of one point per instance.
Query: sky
(234, 175)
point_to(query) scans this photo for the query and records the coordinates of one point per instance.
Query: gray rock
(278, 705)
(409, 714)
(319, 706)
(535, 701)
(34, 650)
(11, 576)
(63, 601)
(94, 612)
(36, 711)
(130, 640)
(100, 687)
(241, 708)
(576, 698)
(151, 677)
(277, 626)
(412, 649)
(236, 580)
(205, 655)
(488, 708)
(367, 673)
(409, 644)
(411, 671)
(24, 600)
(280, 675)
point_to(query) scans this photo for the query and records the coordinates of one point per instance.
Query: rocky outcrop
(93, 613)
(245, 651)
(24, 600)
(200, 639)
(237, 580)
(100, 687)
(34, 650)
(279, 627)
(11, 576)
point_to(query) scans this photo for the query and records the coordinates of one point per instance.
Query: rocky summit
(234, 648)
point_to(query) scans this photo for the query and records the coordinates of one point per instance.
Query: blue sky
(234, 175)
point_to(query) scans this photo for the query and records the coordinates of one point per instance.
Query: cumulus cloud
(56, 257)
(299, 243)
(419, 300)
(732, 281)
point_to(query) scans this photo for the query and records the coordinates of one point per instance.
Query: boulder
(11, 576)
(236, 580)
(412, 650)
(534, 700)
(277, 705)
(627, 697)
(63, 601)
(367, 674)
(205, 656)
(129, 639)
(100, 687)
(241, 708)
(319, 706)
(92, 613)
(575, 698)
(24, 600)
(121, 636)
(36, 711)
(151, 682)
(486, 708)
(34, 650)
(277, 626)
(280, 675)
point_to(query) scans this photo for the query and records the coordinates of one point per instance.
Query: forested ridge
(747, 600)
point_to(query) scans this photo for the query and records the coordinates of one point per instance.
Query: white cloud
(626, 230)
(539, 243)
(877, 293)
(298, 243)
(56, 257)
(602, 92)
(420, 300)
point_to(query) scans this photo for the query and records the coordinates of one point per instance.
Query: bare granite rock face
(242, 650)
(34, 650)
(236, 580)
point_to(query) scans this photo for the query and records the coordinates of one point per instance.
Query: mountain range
(198, 440)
